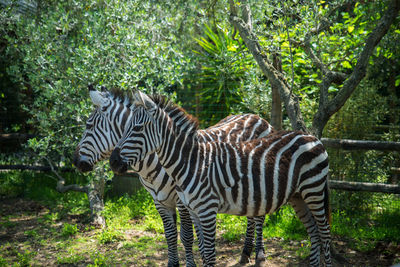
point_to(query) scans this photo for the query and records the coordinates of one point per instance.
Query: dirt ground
(27, 239)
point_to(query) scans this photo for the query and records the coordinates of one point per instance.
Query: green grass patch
(284, 224)
(3, 261)
(100, 259)
(32, 233)
(143, 243)
(69, 230)
(368, 221)
(72, 258)
(232, 228)
(25, 257)
(7, 223)
(110, 235)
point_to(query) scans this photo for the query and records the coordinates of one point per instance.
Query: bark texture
(94, 191)
(276, 78)
(365, 187)
(361, 144)
(327, 107)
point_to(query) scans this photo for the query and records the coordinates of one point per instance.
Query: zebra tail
(327, 203)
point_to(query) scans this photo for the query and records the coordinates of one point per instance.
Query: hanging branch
(276, 78)
(329, 107)
(326, 107)
(94, 191)
(61, 187)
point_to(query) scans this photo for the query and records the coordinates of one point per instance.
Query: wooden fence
(129, 183)
(347, 144)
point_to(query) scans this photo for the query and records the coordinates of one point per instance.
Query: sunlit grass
(362, 227)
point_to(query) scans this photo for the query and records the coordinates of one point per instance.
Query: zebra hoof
(244, 259)
(173, 264)
(260, 259)
(260, 263)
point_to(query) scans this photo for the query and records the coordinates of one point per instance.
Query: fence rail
(366, 187)
(333, 184)
(20, 167)
(348, 144)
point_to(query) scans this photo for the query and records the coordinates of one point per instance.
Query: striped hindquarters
(261, 175)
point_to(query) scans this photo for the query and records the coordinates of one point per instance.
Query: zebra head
(140, 137)
(100, 135)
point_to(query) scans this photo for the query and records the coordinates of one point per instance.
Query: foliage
(77, 43)
(223, 64)
(69, 230)
(109, 236)
(231, 227)
(362, 228)
(283, 27)
(55, 56)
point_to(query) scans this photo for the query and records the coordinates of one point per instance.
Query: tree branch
(328, 109)
(61, 187)
(275, 78)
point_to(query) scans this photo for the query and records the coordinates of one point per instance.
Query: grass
(77, 243)
(69, 230)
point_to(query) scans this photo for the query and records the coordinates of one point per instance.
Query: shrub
(69, 230)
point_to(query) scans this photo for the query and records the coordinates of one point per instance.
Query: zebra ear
(97, 97)
(141, 99)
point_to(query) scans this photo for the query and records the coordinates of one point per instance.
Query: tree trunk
(327, 106)
(276, 109)
(96, 196)
(94, 191)
(275, 78)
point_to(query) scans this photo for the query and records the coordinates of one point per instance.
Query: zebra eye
(138, 128)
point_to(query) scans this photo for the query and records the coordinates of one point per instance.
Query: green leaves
(122, 44)
(223, 66)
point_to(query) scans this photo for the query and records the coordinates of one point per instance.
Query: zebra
(104, 128)
(248, 178)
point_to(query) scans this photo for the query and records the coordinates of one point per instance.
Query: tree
(329, 104)
(126, 44)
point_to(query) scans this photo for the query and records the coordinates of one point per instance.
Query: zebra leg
(318, 203)
(322, 215)
(168, 217)
(254, 223)
(199, 233)
(306, 217)
(248, 241)
(186, 234)
(260, 251)
(205, 225)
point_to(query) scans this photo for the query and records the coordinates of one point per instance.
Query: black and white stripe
(248, 178)
(103, 130)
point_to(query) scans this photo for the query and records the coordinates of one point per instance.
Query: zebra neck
(119, 115)
(177, 154)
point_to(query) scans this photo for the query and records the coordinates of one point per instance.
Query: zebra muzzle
(81, 165)
(116, 162)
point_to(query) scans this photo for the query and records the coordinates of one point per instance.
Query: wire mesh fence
(364, 166)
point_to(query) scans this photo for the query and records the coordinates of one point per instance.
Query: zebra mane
(121, 96)
(183, 120)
